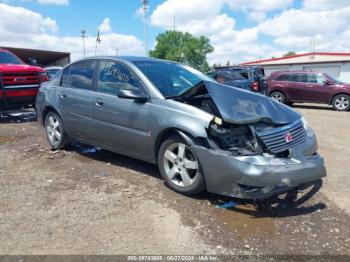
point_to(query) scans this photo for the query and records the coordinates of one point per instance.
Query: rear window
(79, 75)
(298, 78)
(8, 58)
(230, 76)
(283, 77)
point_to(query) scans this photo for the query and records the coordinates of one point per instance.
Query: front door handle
(63, 96)
(99, 102)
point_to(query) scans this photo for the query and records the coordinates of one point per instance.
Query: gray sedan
(201, 134)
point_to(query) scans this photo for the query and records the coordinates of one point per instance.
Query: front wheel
(179, 167)
(55, 131)
(341, 102)
(278, 96)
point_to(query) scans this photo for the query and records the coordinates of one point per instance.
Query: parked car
(52, 70)
(202, 134)
(308, 86)
(19, 82)
(250, 78)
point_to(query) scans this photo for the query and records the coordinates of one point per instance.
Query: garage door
(331, 70)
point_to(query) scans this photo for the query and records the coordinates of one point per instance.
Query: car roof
(128, 58)
(52, 67)
(294, 72)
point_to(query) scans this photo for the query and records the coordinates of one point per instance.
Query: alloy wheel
(54, 131)
(277, 97)
(180, 165)
(342, 103)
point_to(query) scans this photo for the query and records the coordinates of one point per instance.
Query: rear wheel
(179, 167)
(278, 96)
(55, 131)
(341, 102)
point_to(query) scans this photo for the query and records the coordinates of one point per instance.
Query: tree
(228, 63)
(183, 47)
(290, 53)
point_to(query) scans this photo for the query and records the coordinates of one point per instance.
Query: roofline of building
(293, 56)
(8, 48)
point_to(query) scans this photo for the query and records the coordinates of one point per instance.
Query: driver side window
(113, 76)
(320, 78)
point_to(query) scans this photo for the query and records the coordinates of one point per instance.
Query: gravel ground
(77, 202)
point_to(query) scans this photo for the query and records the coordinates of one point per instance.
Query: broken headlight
(239, 140)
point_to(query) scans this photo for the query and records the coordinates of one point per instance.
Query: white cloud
(259, 5)
(53, 2)
(18, 20)
(256, 16)
(296, 28)
(184, 11)
(20, 27)
(325, 22)
(105, 27)
(322, 5)
(206, 19)
(306, 23)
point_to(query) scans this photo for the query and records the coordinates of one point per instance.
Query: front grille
(275, 139)
(20, 78)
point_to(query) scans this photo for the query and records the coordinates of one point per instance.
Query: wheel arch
(185, 135)
(46, 110)
(277, 90)
(330, 102)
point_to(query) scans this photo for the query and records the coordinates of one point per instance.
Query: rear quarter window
(79, 75)
(283, 77)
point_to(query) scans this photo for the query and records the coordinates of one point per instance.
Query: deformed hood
(238, 106)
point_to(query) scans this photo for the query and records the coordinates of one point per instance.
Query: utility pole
(145, 7)
(83, 35)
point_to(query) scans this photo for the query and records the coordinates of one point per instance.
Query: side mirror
(327, 82)
(133, 94)
(32, 61)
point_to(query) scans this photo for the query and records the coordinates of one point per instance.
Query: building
(335, 64)
(43, 57)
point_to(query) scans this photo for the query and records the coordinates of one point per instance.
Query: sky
(239, 30)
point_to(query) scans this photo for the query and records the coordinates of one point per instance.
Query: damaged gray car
(201, 134)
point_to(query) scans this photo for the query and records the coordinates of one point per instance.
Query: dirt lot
(78, 201)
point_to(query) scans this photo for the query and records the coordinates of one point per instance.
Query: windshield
(52, 72)
(170, 78)
(333, 79)
(8, 58)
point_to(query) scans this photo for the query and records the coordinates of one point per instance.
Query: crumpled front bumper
(257, 177)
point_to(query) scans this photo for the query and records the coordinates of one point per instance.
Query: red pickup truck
(19, 82)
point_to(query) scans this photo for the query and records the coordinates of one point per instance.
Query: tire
(278, 96)
(341, 102)
(54, 128)
(179, 176)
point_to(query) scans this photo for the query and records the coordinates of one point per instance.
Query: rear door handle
(99, 102)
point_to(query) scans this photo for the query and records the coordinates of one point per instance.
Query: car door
(120, 125)
(308, 89)
(318, 90)
(297, 90)
(75, 98)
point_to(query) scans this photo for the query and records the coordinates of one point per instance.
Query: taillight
(255, 86)
(43, 77)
